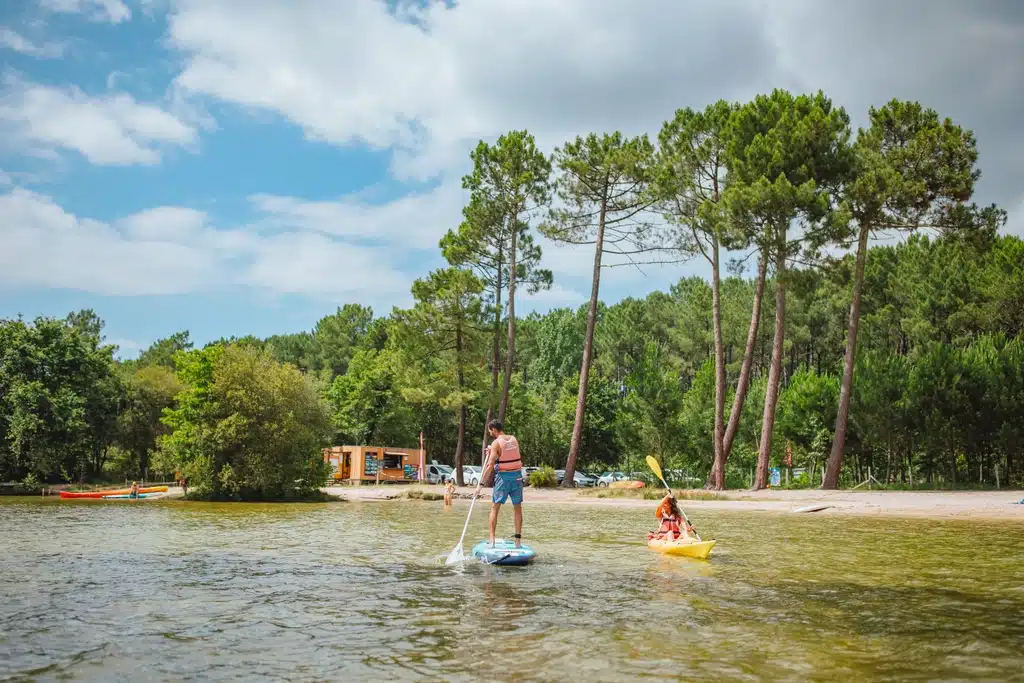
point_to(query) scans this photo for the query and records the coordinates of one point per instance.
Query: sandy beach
(990, 505)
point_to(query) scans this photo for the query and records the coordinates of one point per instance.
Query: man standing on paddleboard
(504, 458)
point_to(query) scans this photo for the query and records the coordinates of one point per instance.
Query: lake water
(107, 591)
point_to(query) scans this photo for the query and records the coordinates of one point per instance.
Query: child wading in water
(672, 524)
(449, 491)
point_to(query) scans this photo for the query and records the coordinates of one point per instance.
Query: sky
(237, 167)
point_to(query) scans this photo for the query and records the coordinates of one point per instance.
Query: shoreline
(982, 505)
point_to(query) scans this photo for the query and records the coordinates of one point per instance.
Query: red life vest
(669, 525)
(509, 459)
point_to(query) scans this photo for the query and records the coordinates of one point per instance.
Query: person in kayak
(504, 458)
(134, 492)
(670, 516)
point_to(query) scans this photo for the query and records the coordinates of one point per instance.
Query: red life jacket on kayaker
(669, 524)
(509, 459)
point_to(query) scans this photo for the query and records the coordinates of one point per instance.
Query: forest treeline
(905, 360)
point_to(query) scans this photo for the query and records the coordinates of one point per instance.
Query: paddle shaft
(466, 525)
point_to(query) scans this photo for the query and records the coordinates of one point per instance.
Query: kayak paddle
(457, 554)
(653, 464)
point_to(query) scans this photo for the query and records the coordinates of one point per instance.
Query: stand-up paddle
(457, 554)
(656, 468)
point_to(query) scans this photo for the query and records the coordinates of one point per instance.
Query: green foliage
(246, 427)
(544, 478)
(162, 351)
(337, 338)
(59, 396)
(939, 382)
(148, 392)
(807, 411)
(602, 188)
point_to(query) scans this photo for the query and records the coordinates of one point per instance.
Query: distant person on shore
(670, 516)
(505, 460)
(184, 487)
(134, 492)
(449, 491)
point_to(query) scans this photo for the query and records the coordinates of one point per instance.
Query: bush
(246, 427)
(419, 494)
(544, 478)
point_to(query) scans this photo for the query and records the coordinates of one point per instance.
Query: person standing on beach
(507, 463)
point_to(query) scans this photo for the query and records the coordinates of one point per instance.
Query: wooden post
(869, 477)
(997, 476)
(423, 462)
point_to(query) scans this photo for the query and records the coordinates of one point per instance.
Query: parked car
(471, 474)
(608, 478)
(527, 471)
(438, 474)
(579, 479)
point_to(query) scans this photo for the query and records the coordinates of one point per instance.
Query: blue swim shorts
(508, 484)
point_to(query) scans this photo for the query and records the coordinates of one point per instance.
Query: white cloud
(354, 72)
(112, 11)
(557, 296)
(172, 224)
(311, 264)
(1015, 219)
(417, 220)
(425, 83)
(111, 129)
(175, 250)
(45, 246)
(12, 40)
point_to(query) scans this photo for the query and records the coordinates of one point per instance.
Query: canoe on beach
(116, 492)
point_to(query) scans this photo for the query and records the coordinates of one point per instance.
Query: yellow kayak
(690, 548)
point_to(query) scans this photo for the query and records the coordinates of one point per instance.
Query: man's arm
(492, 457)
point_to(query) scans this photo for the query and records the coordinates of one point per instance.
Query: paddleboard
(127, 496)
(812, 508)
(503, 553)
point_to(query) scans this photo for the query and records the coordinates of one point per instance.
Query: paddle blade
(653, 464)
(456, 556)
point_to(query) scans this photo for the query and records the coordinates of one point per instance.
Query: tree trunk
(510, 351)
(716, 478)
(771, 396)
(460, 445)
(485, 477)
(588, 353)
(718, 468)
(835, 458)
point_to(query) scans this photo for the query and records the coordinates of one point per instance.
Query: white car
(470, 475)
(609, 478)
(438, 474)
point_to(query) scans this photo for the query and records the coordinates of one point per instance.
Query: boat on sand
(115, 492)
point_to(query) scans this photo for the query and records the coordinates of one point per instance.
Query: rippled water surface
(353, 591)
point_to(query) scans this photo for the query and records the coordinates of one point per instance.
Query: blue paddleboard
(503, 553)
(127, 496)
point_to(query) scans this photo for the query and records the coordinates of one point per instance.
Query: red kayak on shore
(117, 492)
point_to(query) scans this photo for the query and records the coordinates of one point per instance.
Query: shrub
(544, 478)
(247, 427)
